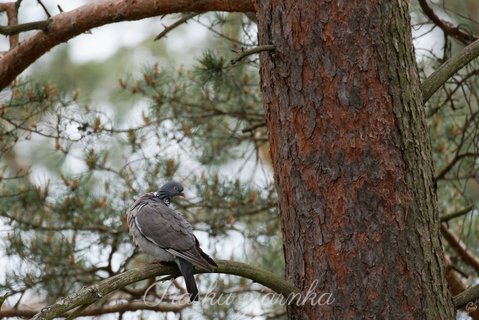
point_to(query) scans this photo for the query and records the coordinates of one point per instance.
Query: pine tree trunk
(352, 159)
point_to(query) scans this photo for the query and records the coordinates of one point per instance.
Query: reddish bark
(67, 25)
(352, 159)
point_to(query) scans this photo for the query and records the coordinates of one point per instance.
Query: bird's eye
(176, 189)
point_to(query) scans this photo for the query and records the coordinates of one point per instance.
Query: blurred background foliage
(80, 141)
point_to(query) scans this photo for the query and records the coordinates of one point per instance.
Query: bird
(162, 232)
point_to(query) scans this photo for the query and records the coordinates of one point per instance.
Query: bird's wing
(169, 230)
(165, 227)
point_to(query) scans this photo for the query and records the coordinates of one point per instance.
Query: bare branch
(430, 85)
(98, 13)
(468, 295)
(456, 214)
(16, 29)
(449, 167)
(11, 8)
(174, 25)
(465, 255)
(258, 49)
(97, 311)
(89, 295)
(44, 9)
(447, 27)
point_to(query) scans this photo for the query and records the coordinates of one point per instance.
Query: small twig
(258, 49)
(183, 19)
(15, 29)
(459, 213)
(252, 128)
(44, 8)
(456, 159)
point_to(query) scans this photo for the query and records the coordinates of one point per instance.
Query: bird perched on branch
(163, 233)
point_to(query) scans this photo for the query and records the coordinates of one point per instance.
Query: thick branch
(449, 68)
(67, 25)
(11, 8)
(97, 311)
(95, 292)
(468, 295)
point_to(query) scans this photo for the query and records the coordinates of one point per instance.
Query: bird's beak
(182, 194)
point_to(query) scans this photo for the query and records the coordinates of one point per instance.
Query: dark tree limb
(447, 27)
(447, 217)
(460, 248)
(91, 294)
(432, 83)
(67, 25)
(449, 167)
(16, 29)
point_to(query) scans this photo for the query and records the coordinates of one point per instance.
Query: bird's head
(169, 190)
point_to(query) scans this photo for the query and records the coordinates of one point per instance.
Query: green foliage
(70, 168)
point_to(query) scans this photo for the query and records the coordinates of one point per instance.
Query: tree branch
(447, 27)
(11, 8)
(97, 311)
(258, 49)
(174, 25)
(91, 294)
(15, 29)
(460, 248)
(67, 25)
(458, 157)
(447, 217)
(468, 295)
(430, 85)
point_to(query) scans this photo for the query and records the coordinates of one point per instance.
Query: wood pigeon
(163, 233)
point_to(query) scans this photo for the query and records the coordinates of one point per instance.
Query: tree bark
(352, 159)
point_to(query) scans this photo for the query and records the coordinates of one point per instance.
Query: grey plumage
(163, 233)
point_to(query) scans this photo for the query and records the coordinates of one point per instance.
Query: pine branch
(91, 294)
(99, 13)
(432, 83)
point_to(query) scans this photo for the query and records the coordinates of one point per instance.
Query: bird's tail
(187, 271)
